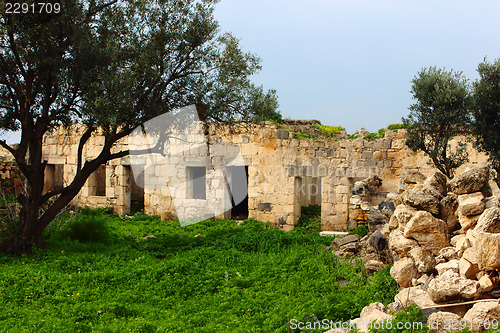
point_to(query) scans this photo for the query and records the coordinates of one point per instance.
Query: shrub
(396, 126)
(361, 230)
(329, 130)
(309, 221)
(90, 226)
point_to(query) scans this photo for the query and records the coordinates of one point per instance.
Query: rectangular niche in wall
(196, 183)
(54, 177)
(97, 182)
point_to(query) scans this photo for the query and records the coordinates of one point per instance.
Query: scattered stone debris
(444, 238)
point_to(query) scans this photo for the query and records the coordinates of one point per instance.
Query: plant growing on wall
(112, 65)
(441, 112)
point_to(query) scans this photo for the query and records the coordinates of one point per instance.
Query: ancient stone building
(282, 172)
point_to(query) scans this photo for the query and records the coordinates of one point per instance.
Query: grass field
(105, 273)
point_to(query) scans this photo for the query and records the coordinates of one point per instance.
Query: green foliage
(155, 276)
(304, 135)
(396, 126)
(90, 226)
(352, 136)
(309, 221)
(361, 230)
(329, 130)
(373, 136)
(486, 114)
(440, 113)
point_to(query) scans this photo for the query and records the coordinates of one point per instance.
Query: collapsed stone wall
(284, 172)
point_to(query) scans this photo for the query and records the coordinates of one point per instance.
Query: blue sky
(350, 63)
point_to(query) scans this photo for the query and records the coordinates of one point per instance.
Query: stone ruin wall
(283, 172)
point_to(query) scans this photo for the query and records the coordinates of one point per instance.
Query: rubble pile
(444, 237)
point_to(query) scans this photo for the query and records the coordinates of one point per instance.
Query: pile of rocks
(359, 205)
(445, 238)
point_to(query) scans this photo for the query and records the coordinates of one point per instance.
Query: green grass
(146, 275)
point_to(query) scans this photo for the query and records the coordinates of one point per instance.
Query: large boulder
(467, 269)
(438, 181)
(489, 221)
(423, 259)
(378, 241)
(448, 210)
(482, 316)
(400, 244)
(414, 295)
(441, 322)
(338, 242)
(470, 181)
(450, 265)
(401, 216)
(487, 248)
(471, 203)
(423, 197)
(373, 312)
(409, 178)
(467, 222)
(450, 287)
(403, 271)
(431, 233)
(376, 219)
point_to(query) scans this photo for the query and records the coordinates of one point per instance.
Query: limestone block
(403, 271)
(441, 322)
(487, 248)
(423, 197)
(438, 181)
(489, 221)
(467, 222)
(402, 215)
(470, 181)
(423, 259)
(486, 284)
(481, 314)
(471, 203)
(450, 286)
(414, 295)
(450, 265)
(467, 269)
(431, 233)
(448, 210)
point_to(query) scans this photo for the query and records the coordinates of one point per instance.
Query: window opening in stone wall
(237, 186)
(197, 180)
(54, 177)
(97, 182)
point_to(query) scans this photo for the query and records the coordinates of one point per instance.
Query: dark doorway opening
(137, 189)
(237, 181)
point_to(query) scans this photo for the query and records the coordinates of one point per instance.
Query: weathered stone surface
(455, 239)
(471, 203)
(393, 197)
(401, 216)
(431, 233)
(470, 181)
(352, 224)
(414, 295)
(441, 322)
(467, 269)
(338, 242)
(412, 177)
(450, 286)
(376, 219)
(471, 255)
(438, 181)
(400, 244)
(373, 312)
(347, 250)
(481, 313)
(387, 205)
(491, 202)
(395, 307)
(423, 197)
(487, 247)
(485, 283)
(403, 271)
(450, 265)
(374, 265)
(489, 221)
(448, 210)
(448, 253)
(378, 241)
(462, 245)
(467, 222)
(423, 259)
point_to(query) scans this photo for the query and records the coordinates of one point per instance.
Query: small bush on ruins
(327, 130)
(396, 126)
(310, 220)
